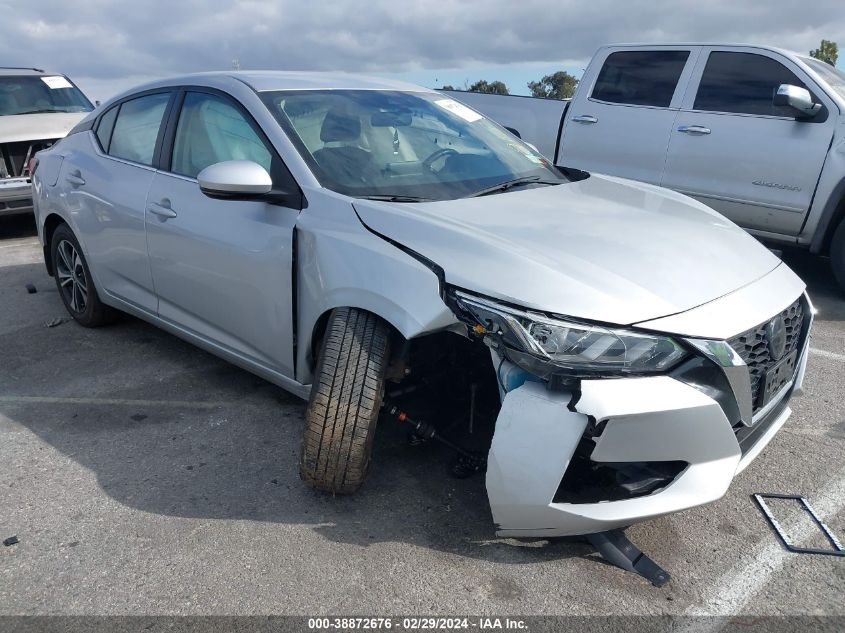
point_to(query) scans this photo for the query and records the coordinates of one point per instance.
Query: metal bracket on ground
(615, 547)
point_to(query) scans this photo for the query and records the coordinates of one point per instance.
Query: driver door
(222, 269)
(740, 154)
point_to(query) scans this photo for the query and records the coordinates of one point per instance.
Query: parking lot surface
(144, 476)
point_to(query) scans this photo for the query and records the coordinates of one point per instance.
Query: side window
(743, 83)
(105, 127)
(645, 78)
(211, 130)
(136, 128)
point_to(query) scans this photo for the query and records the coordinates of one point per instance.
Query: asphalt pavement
(144, 476)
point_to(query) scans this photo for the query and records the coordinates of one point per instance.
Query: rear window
(645, 78)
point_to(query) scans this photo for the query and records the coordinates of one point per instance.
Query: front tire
(74, 281)
(343, 410)
(837, 254)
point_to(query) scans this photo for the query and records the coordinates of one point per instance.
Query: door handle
(585, 118)
(75, 178)
(695, 130)
(162, 209)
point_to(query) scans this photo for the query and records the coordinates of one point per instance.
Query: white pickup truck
(756, 133)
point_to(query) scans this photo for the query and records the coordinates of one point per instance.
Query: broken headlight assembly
(544, 345)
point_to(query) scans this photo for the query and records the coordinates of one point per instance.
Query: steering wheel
(437, 155)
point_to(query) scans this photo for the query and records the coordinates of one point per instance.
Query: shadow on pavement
(825, 293)
(238, 458)
(20, 225)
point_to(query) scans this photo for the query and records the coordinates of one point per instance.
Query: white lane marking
(826, 354)
(737, 587)
(111, 401)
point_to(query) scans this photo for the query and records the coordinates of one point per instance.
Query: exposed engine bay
(15, 157)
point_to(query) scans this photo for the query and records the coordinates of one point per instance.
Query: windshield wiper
(396, 198)
(41, 111)
(509, 184)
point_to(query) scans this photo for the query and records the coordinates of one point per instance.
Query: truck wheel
(837, 254)
(341, 417)
(74, 281)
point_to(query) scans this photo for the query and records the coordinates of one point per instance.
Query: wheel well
(320, 329)
(835, 221)
(50, 225)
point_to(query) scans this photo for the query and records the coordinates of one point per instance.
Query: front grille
(753, 347)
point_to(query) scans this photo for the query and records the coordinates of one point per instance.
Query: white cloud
(109, 41)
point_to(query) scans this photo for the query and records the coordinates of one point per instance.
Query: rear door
(620, 120)
(222, 268)
(105, 190)
(735, 151)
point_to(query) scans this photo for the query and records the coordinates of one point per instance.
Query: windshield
(832, 76)
(407, 145)
(33, 94)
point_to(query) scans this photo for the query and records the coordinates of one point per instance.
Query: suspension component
(468, 462)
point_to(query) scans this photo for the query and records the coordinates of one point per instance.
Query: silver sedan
(608, 351)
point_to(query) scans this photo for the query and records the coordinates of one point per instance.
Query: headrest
(339, 126)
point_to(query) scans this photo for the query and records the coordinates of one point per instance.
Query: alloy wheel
(71, 275)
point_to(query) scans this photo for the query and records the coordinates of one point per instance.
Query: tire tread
(343, 410)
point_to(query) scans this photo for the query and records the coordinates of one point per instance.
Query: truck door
(622, 114)
(737, 152)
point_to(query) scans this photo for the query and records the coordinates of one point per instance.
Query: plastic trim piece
(837, 549)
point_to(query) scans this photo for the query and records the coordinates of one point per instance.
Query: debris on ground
(31, 289)
(12, 540)
(56, 322)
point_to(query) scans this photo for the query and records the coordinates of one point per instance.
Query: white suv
(37, 108)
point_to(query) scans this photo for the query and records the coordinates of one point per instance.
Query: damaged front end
(16, 159)
(601, 427)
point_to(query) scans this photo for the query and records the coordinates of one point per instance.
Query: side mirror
(798, 99)
(234, 179)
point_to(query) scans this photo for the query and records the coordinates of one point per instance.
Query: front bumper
(543, 437)
(15, 196)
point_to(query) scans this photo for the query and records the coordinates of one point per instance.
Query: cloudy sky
(110, 45)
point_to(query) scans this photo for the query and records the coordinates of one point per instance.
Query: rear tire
(837, 254)
(74, 281)
(343, 410)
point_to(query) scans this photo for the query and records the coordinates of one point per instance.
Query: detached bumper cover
(647, 420)
(615, 423)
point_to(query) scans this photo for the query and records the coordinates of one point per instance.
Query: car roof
(264, 80)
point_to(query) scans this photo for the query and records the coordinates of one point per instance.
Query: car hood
(36, 127)
(603, 249)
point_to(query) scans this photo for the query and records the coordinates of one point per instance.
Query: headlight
(543, 345)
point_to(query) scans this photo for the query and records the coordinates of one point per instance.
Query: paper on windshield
(458, 109)
(56, 82)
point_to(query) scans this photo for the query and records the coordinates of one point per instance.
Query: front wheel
(340, 420)
(837, 254)
(74, 281)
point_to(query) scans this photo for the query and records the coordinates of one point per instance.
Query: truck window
(646, 78)
(743, 83)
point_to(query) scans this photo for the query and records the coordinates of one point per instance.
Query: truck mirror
(798, 99)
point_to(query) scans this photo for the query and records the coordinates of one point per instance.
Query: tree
(492, 87)
(561, 85)
(447, 87)
(827, 52)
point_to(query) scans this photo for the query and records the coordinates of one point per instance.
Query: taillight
(32, 166)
